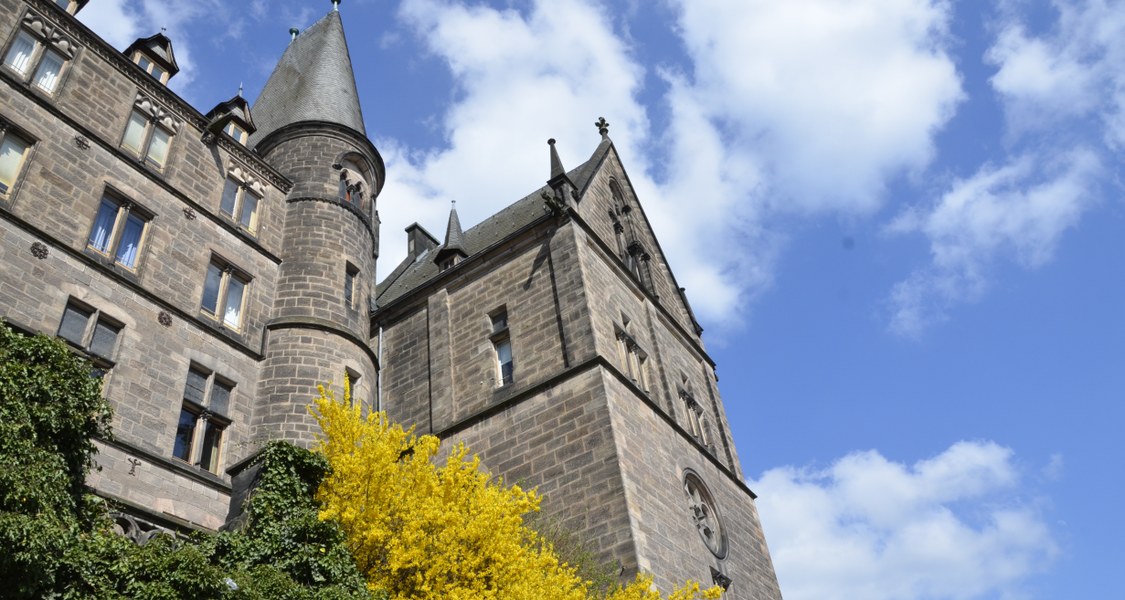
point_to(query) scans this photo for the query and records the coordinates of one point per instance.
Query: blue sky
(900, 222)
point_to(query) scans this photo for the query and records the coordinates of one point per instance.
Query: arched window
(353, 184)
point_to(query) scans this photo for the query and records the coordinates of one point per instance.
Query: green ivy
(56, 541)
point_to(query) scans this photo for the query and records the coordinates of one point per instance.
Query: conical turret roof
(454, 238)
(313, 81)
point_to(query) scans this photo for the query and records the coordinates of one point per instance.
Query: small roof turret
(313, 81)
(453, 250)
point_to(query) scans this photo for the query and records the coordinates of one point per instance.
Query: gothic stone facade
(217, 267)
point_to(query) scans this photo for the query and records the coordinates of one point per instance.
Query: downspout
(379, 376)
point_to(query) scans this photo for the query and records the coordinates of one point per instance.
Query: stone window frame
(631, 356)
(352, 376)
(45, 40)
(243, 184)
(630, 249)
(70, 6)
(148, 64)
(8, 132)
(151, 118)
(699, 423)
(705, 514)
(204, 448)
(89, 339)
(355, 183)
(227, 272)
(236, 132)
(125, 211)
(500, 337)
(351, 285)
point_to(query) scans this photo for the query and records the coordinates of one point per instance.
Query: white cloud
(1071, 70)
(798, 105)
(1018, 211)
(121, 22)
(519, 80)
(951, 526)
(829, 97)
(117, 21)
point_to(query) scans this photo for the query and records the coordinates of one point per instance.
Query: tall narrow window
(118, 232)
(350, 275)
(147, 139)
(698, 422)
(13, 150)
(224, 294)
(239, 203)
(202, 420)
(502, 348)
(633, 359)
(30, 55)
(353, 184)
(19, 54)
(47, 75)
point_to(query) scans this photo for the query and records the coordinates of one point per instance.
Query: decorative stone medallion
(164, 318)
(39, 250)
(704, 514)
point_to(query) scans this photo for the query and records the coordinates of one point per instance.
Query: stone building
(216, 266)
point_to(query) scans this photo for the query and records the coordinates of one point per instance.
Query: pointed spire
(558, 173)
(454, 237)
(313, 81)
(454, 246)
(556, 163)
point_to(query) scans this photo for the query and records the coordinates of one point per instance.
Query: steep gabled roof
(313, 81)
(416, 271)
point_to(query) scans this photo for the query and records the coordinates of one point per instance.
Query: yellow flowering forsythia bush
(420, 531)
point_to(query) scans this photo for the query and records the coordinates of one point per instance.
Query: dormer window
(231, 117)
(154, 56)
(70, 6)
(150, 67)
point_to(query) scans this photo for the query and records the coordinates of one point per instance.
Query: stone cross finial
(603, 126)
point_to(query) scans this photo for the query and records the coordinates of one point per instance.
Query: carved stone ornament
(138, 531)
(39, 250)
(49, 32)
(720, 579)
(704, 514)
(164, 318)
(157, 113)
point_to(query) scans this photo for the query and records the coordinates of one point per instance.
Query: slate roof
(413, 273)
(313, 81)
